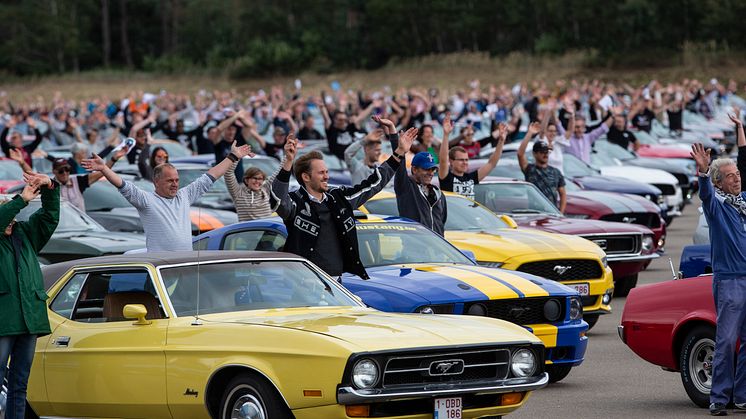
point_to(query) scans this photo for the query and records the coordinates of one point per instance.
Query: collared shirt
(313, 198)
(580, 147)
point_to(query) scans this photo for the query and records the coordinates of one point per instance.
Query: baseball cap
(58, 163)
(540, 146)
(424, 160)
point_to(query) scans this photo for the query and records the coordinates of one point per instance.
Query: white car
(702, 232)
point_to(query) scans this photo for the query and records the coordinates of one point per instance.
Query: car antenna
(673, 271)
(197, 321)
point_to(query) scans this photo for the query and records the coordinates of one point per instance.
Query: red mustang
(672, 324)
(629, 247)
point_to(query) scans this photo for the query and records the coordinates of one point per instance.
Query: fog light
(552, 310)
(511, 398)
(358, 410)
(606, 299)
(477, 310)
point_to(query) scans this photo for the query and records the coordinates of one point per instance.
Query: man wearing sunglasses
(548, 179)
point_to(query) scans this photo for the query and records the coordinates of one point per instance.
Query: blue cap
(424, 160)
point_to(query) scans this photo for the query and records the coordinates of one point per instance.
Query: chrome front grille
(478, 365)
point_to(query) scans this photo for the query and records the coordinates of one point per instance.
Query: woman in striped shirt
(251, 197)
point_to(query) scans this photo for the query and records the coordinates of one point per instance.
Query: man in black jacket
(319, 219)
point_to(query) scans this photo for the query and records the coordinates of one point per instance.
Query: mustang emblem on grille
(601, 243)
(629, 220)
(448, 367)
(560, 270)
(518, 311)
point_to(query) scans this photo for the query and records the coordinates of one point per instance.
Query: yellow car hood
(374, 330)
(502, 244)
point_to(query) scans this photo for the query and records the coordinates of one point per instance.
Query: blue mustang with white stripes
(413, 270)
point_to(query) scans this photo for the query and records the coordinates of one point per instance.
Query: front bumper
(350, 395)
(564, 344)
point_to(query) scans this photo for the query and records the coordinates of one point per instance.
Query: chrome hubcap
(700, 364)
(247, 407)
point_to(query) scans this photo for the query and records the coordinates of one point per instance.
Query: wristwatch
(232, 157)
(397, 155)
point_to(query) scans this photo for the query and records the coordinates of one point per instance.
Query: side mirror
(136, 311)
(469, 254)
(509, 221)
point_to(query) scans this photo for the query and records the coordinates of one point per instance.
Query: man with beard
(548, 179)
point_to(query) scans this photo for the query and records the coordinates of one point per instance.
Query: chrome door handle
(61, 341)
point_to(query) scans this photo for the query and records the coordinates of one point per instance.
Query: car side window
(64, 301)
(385, 206)
(201, 244)
(105, 293)
(264, 240)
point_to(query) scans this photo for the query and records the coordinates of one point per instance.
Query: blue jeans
(729, 378)
(20, 350)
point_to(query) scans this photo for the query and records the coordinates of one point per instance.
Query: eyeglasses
(259, 178)
(63, 170)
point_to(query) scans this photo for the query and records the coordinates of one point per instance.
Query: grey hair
(718, 164)
(158, 170)
(78, 147)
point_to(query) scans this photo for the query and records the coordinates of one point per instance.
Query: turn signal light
(358, 410)
(511, 398)
(311, 393)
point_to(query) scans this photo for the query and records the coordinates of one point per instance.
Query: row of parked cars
(533, 281)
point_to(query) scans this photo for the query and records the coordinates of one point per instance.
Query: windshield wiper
(525, 211)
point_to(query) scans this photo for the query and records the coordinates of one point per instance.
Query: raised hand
(37, 180)
(291, 146)
(387, 125)
(95, 163)
(242, 151)
(502, 131)
(405, 141)
(16, 155)
(534, 128)
(701, 157)
(447, 126)
(31, 122)
(120, 153)
(29, 192)
(735, 118)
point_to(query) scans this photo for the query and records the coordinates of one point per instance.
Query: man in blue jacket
(724, 206)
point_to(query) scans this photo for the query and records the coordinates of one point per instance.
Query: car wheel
(623, 285)
(695, 363)
(558, 372)
(591, 319)
(246, 397)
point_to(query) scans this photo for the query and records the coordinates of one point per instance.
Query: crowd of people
(566, 117)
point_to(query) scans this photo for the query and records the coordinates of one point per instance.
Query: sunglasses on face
(63, 170)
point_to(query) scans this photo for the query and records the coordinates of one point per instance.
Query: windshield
(514, 198)
(463, 214)
(510, 171)
(250, 285)
(174, 149)
(394, 244)
(600, 159)
(575, 167)
(267, 165)
(71, 218)
(613, 150)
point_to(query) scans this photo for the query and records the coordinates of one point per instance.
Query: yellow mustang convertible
(261, 335)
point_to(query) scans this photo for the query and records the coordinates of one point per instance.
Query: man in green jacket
(23, 309)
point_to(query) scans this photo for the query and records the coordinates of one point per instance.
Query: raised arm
(321, 104)
(142, 124)
(533, 128)
(225, 123)
(96, 163)
(443, 167)
(236, 154)
(502, 134)
(95, 176)
(37, 135)
(18, 157)
(279, 199)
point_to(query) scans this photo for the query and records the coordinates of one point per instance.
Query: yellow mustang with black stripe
(414, 270)
(497, 242)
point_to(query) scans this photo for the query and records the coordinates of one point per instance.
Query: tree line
(267, 37)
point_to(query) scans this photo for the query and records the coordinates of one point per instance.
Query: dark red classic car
(672, 324)
(629, 247)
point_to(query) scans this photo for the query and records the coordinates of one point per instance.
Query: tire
(257, 396)
(591, 319)
(695, 363)
(558, 372)
(623, 285)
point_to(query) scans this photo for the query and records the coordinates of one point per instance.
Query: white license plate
(448, 408)
(582, 289)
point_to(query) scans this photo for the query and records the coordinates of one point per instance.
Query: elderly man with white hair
(724, 206)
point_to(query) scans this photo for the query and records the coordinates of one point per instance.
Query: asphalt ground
(613, 382)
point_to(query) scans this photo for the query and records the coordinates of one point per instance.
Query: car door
(98, 364)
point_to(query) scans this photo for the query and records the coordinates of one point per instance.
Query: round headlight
(647, 244)
(477, 310)
(427, 310)
(365, 373)
(552, 310)
(576, 308)
(523, 363)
